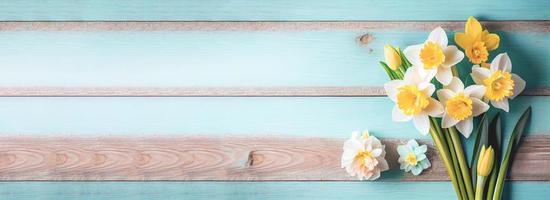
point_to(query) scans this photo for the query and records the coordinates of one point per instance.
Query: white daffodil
(363, 156)
(461, 105)
(434, 56)
(413, 98)
(499, 82)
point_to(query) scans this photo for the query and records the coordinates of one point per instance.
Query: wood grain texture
(210, 92)
(329, 117)
(217, 158)
(282, 10)
(239, 59)
(542, 26)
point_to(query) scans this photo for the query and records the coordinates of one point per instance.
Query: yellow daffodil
(461, 105)
(499, 82)
(413, 99)
(435, 57)
(363, 156)
(392, 57)
(476, 42)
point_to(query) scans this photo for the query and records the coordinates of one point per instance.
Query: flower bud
(392, 57)
(485, 161)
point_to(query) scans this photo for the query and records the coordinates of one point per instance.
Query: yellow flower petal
(491, 40)
(473, 27)
(463, 40)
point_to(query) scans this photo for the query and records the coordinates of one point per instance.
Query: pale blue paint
(256, 190)
(221, 116)
(171, 59)
(243, 10)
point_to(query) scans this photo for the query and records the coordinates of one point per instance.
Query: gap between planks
(218, 159)
(514, 26)
(208, 92)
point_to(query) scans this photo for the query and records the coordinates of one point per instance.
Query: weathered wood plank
(293, 190)
(331, 117)
(210, 92)
(320, 57)
(284, 10)
(216, 158)
(509, 26)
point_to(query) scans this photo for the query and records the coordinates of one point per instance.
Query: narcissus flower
(364, 156)
(485, 161)
(461, 105)
(434, 56)
(499, 82)
(413, 98)
(392, 57)
(476, 42)
(412, 157)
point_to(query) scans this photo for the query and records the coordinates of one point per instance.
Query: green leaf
(494, 139)
(513, 144)
(481, 139)
(405, 63)
(390, 72)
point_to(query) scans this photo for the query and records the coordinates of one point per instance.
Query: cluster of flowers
(364, 156)
(416, 73)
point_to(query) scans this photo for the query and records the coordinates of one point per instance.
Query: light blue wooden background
(236, 58)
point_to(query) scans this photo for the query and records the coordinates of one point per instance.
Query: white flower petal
(412, 76)
(412, 143)
(455, 85)
(502, 104)
(382, 163)
(421, 149)
(412, 53)
(444, 75)
(475, 91)
(427, 87)
(422, 123)
(402, 150)
(479, 107)
(445, 94)
(501, 62)
(426, 75)
(452, 56)
(519, 85)
(439, 37)
(434, 109)
(391, 88)
(399, 116)
(479, 74)
(448, 121)
(376, 152)
(465, 127)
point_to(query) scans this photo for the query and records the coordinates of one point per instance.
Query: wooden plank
(187, 58)
(210, 92)
(167, 190)
(509, 26)
(286, 10)
(217, 158)
(331, 117)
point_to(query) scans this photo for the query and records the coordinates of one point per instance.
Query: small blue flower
(412, 157)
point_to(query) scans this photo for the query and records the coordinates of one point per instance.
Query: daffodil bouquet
(427, 88)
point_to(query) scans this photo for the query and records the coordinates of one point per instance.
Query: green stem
(479, 187)
(455, 163)
(455, 71)
(492, 182)
(462, 162)
(444, 154)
